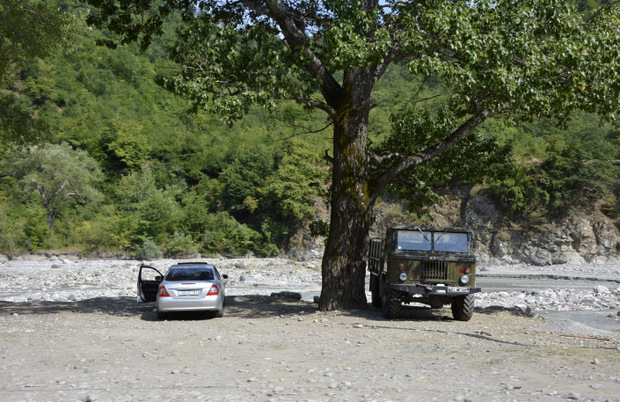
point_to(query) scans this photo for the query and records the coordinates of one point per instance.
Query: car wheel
(390, 303)
(161, 315)
(463, 307)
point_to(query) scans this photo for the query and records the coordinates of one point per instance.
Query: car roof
(182, 265)
(429, 228)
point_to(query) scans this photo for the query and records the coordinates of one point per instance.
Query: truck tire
(375, 291)
(390, 303)
(463, 307)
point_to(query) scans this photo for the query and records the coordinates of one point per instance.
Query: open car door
(149, 279)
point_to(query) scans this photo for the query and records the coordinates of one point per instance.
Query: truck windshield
(451, 242)
(410, 240)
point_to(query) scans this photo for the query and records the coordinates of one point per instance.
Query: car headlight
(464, 279)
(403, 276)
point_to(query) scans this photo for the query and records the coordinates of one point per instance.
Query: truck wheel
(463, 307)
(390, 303)
(375, 291)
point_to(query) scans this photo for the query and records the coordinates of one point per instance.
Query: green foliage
(245, 174)
(56, 173)
(179, 245)
(575, 181)
(524, 193)
(472, 160)
(11, 233)
(109, 232)
(578, 170)
(36, 229)
(224, 235)
(147, 250)
(291, 189)
(611, 207)
(210, 52)
(128, 145)
(31, 28)
(159, 215)
(195, 211)
(17, 123)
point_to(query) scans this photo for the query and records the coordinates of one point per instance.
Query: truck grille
(434, 270)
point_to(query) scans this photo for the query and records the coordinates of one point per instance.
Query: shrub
(224, 235)
(148, 250)
(110, 231)
(179, 245)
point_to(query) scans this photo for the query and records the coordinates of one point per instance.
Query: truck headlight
(402, 276)
(464, 279)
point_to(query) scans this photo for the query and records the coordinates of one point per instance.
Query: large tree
(486, 58)
(56, 173)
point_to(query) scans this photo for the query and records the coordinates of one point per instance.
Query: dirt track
(269, 348)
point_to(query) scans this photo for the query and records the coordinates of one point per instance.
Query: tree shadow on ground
(251, 306)
(260, 306)
(120, 306)
(248, 306)
(420, 312)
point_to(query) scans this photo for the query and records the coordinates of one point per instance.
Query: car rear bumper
(189, 304)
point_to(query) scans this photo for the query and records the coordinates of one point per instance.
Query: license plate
(189, 292)
(458, 289)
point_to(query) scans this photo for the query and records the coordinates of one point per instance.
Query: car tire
(161, 315)
(390, 303)
(463, 307)
(220, 313)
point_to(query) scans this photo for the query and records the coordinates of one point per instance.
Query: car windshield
(451, 242)
(190, 274)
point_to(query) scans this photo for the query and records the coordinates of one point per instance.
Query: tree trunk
(344, 261)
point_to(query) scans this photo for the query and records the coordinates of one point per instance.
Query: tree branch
(298, 42)
(602, 10)
(427, 155)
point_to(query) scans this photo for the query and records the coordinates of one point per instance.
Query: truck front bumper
(432, 290)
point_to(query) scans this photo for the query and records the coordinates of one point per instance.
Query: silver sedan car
(188, 286)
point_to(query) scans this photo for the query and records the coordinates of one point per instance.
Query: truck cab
(424, 264)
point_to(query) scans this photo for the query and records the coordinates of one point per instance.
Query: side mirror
(159, 278)
(225, 276)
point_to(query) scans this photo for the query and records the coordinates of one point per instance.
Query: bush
(225, 236)
(179, 245)
(148, 250)
(110, 231)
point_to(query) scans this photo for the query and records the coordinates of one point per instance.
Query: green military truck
(424, 264)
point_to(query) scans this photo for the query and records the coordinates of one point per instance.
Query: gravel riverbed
(70, 329)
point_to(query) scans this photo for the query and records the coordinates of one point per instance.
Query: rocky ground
(71, 329)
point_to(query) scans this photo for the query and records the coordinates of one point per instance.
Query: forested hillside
(96, 157)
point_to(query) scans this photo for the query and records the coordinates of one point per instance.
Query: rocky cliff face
(576, 239)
